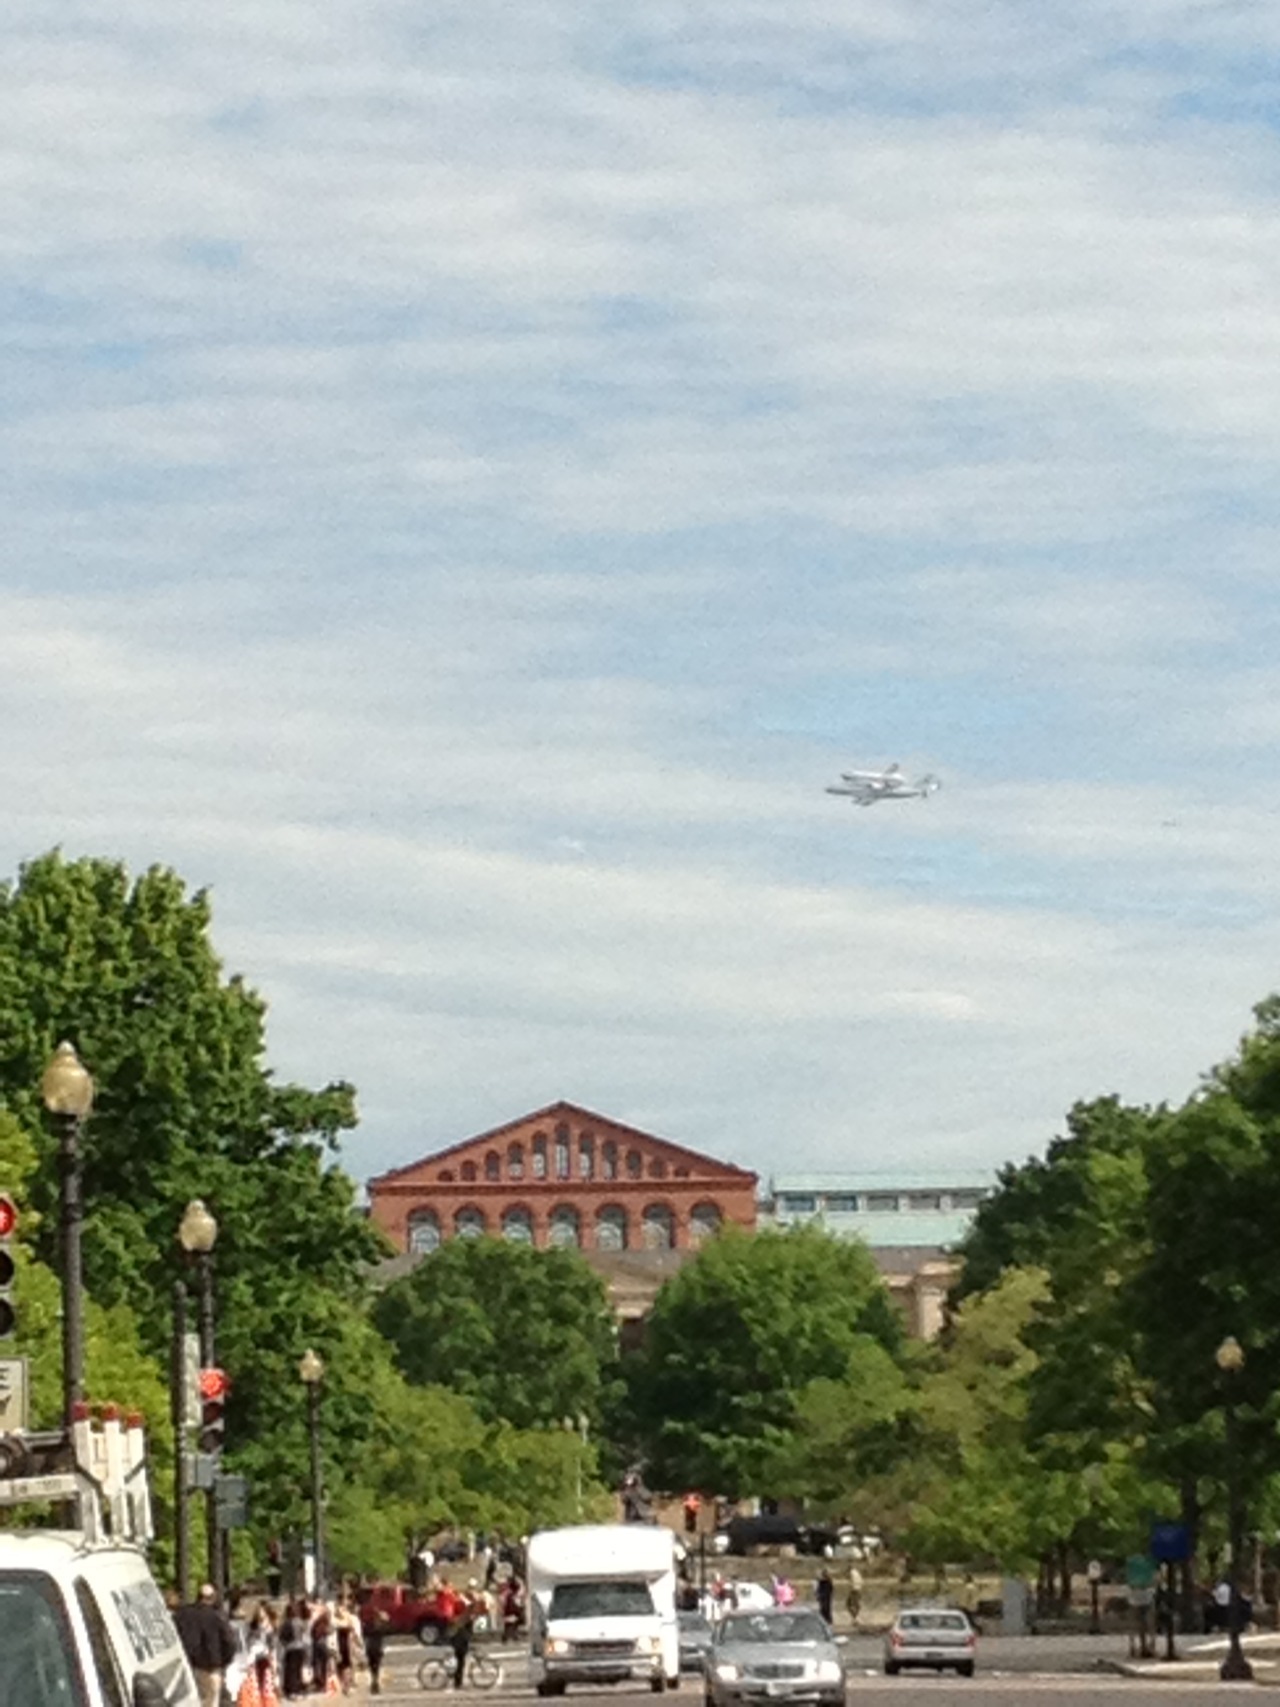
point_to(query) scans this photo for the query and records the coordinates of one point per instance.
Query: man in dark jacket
(210, 1643)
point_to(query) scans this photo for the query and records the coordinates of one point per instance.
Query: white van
(602, 1606)
(82, 1624)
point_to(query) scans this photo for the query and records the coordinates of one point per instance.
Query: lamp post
(67, 1090)
(581, 1426)
(1230, 1360)
(178, 1413)
(197, 1234)
(311, 1370)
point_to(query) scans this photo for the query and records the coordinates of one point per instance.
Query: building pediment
(556, 1145)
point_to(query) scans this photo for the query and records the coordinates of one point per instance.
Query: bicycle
(482, 1672)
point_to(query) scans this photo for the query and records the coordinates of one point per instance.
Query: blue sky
(471, 476)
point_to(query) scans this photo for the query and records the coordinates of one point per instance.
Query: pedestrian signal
(8, 1267)
(215, 1384)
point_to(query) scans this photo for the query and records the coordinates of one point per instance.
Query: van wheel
(658, 1684)
(965, 1670)
(891, 1668)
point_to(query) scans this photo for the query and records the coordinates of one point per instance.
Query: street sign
(14, 1387)
(202, 1471)
(1094, 1571)
(232, 1495)
(1139, 1571)
(1170, 1543)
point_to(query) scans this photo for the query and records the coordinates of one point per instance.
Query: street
(1070, 1669)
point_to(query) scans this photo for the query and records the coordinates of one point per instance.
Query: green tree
(526, 1334)
(735, 1339)
(185, 1107)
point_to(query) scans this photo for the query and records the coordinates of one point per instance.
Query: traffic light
(691, 1504)
(215, 1384)
(8, 1267)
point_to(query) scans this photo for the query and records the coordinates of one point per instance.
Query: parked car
(785, 1654)
(764, 1531)
(939, 1638)
(695, 1640)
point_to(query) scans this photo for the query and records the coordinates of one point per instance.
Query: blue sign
(1170, 1543)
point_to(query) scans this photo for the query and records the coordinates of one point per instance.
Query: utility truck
(602, 1606)
(82, 1623)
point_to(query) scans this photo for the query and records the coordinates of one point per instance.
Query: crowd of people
(256, 1653)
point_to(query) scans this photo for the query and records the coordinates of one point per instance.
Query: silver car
(786, 1654)
(937, 1637)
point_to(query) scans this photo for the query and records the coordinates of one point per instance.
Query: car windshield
(37, 1653)
(775, 1627)
(601, 1600)
(933, 1621)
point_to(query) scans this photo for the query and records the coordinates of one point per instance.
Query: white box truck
(602, 1606)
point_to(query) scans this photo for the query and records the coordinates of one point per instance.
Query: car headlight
(557, 1645)
(827, 1671)
(653, 1644)
(727, 1673)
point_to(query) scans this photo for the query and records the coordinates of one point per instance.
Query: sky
(472, 474)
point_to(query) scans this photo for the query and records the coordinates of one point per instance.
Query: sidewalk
(1199, 1658)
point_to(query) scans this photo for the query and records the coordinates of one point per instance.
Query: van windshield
(37, 1655)
(601, 1600)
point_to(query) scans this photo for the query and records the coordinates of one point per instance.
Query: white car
(939, 1638)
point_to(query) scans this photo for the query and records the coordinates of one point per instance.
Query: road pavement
(1072, 1671)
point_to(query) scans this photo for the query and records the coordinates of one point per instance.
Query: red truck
(409, 1611)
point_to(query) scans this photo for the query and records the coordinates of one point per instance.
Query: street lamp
(581, 1426)
(197, 1234)
(67, 1090)
(311, 1370)
(1230, 1360)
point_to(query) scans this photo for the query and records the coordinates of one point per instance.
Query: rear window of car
(933, 1621)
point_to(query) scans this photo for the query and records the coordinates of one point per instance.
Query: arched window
(657, 1168)
(468, 1171)
(657, 1228)
(539, 1155)
(563, 1228)
(468, 1223)
(515, 1161)
(608, 1159)
(586, 1156)
(493, 1165)
(611, 1228)
(424, 1232)
(635, 1164)
(562, 1152)
(446, 1176)
(704, 1222)
(517, 1226)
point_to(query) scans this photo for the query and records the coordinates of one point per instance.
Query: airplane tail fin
(929, 784)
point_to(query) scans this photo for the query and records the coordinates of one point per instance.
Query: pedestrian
(853, 1600)
(295, 1639)
(511, 1600)
(373, 1630)
(825, 1590)
(460, 1630)
(346, 1631)
(208, 1641)
(321, 1632)
(263, 1646)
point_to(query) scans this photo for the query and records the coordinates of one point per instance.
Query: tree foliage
(735, 1339)
(526, 1334)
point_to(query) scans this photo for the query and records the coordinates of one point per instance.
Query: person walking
(208, 1641)
(321, 1652)
(346, 1631)
(295, 1638)
(853, 1600)
(825, 1590)
(373, 1631)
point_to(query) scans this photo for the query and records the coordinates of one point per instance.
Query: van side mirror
(148, 1691)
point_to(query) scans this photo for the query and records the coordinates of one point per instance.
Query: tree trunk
(1190, 1514)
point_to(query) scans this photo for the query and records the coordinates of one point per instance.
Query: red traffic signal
(8, 1216)
(214, 1383)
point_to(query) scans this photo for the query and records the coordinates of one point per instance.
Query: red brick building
(563, 1176)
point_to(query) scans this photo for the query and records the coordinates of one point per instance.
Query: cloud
(471, 477)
